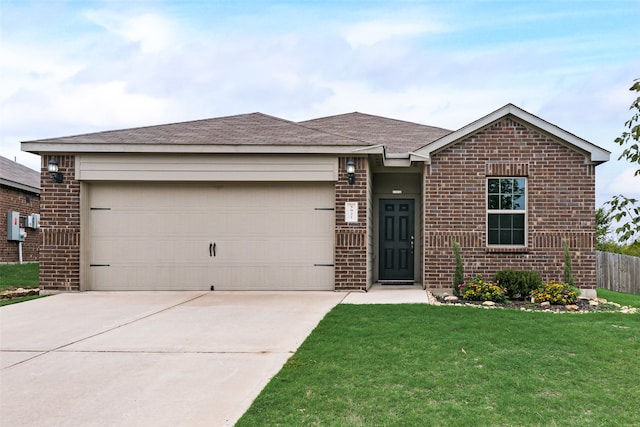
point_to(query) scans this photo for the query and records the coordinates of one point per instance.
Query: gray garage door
(233, 236)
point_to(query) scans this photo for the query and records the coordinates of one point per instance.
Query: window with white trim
(506, 211)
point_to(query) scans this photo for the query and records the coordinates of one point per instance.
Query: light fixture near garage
(351, 171)
(53, 169)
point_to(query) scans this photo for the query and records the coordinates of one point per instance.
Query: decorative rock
(19, 293)
(545, 304)
(451, 298)
(572, 307)
(489, 303)
(593, 303)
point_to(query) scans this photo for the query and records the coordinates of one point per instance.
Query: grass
(19, 276)
(420, 365)
(629, 300)
(17, 300)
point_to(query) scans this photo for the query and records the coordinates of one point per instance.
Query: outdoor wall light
(53, 170)
(351, 171)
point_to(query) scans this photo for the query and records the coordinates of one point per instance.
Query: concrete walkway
(154, 358)
(389, 294)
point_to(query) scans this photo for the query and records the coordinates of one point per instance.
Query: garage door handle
(212, 249)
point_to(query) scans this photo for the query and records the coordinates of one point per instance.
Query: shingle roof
(16, 175)
(398, 136)
(244, 129)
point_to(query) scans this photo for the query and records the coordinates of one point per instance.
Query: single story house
(19, 209)
(255, 202)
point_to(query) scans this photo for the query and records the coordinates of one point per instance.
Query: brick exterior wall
(27, 203)
(351, 238)
(560, 205)
(60, 225)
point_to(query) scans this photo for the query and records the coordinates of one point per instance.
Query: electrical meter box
(13, 225)
(32, 221)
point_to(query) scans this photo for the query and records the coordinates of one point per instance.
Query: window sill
(508, 249)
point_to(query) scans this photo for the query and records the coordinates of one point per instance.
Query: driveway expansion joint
(59, 348)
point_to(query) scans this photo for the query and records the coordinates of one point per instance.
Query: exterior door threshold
(397, 282)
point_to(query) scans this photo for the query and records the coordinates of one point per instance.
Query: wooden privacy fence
(620, 273)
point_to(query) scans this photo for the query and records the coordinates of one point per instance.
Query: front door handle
(412, 244)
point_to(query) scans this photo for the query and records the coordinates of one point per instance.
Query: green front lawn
(19, 276)
(421, 365)
(629, 300)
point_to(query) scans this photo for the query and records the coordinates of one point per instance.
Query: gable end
(593, 153)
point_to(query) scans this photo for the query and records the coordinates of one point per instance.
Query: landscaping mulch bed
(581, 306)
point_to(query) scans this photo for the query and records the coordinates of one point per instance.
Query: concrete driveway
(148, 358)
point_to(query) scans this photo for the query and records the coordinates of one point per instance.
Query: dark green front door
(396, 239)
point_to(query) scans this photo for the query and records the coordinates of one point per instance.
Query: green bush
(458, 276)
(519, 283)
(556, 293)
(478, 289)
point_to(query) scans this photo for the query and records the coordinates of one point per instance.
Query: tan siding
(154, 167)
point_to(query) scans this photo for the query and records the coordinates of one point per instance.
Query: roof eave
(19, 186)
(38, 147)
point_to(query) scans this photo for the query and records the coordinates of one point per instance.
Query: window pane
(493, 237)
(494, 201)
(518, 202)
(494, 186)
(505, 186)
(518, 236)
(505, 202)
(494, 221)
(518, 221)
(518, 185)
(505, 221)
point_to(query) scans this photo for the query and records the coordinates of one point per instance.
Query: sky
(80, 66)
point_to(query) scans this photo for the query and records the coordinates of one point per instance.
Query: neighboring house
(19, 192)
(254, 202)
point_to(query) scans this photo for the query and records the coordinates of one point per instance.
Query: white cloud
(402, 24)
(370, 33)
(624, 182)
(153, 32)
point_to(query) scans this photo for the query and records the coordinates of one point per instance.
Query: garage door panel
(120, 276)
(141, 250)
(291, 277)
(157, 236)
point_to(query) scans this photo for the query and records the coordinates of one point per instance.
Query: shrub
(519, 283)
(478, 289)
(568, 271)
(556, 293)
(458, 276)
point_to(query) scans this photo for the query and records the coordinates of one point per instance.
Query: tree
(603, 227)
(622, 207)
(458, 276)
